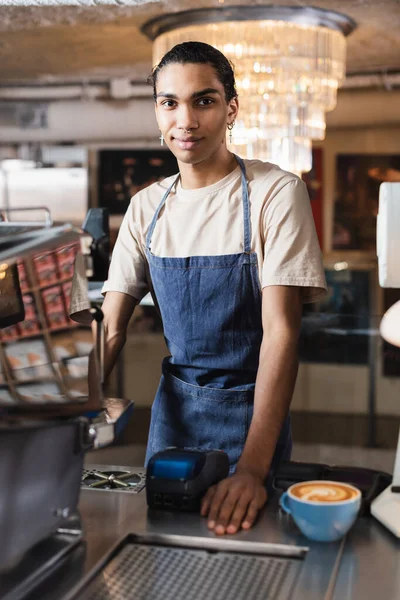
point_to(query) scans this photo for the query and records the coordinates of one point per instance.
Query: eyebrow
(194, 95)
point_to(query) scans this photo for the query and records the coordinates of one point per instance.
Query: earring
(161, 138)
(230, 127)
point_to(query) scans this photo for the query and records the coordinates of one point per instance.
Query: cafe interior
(319, 91)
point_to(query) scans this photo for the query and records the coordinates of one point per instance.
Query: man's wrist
(252, 469)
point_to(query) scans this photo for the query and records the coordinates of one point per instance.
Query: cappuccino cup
(324, 511)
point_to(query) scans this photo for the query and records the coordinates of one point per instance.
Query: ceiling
(101, 39)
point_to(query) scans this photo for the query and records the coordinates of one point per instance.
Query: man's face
(192, 112)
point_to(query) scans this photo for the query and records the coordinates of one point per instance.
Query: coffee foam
(323, 492)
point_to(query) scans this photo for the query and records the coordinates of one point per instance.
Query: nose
(186, 118)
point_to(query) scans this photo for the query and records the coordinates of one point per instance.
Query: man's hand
(234, 503)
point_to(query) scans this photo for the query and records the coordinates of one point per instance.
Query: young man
(229, 251)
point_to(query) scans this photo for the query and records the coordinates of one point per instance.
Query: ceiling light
(289, 62)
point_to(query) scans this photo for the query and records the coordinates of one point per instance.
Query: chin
(189, 160)
(194, 158)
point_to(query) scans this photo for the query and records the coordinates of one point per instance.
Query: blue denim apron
(211, 312)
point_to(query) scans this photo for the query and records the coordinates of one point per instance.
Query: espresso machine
(386, 507)
(48, 420)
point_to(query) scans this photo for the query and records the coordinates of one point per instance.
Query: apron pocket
(192, 417)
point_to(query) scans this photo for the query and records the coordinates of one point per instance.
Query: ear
(233, 109)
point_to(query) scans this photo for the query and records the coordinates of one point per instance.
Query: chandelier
(288, 61)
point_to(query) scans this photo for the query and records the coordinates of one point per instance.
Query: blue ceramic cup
(324, 511)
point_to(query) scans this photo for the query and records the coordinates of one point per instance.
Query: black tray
(369, 481)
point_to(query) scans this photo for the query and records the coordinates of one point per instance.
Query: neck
(207, 172)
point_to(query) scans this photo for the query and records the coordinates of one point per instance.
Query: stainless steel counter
(109, 516)
(370, 567)
(363, 566)
(366, 565)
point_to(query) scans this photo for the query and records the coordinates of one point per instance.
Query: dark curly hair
(200, 53)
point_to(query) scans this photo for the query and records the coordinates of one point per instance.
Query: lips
(187, 143)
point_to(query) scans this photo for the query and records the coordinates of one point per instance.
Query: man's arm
(117, 310)
(276, 377)
(235, 501)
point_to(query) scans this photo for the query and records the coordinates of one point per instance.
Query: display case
(45, 357)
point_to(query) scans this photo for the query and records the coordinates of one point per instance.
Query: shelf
(37, 288)
(41, 333)
(24, 337)
(63, 328)
(53, 377)
(21, 382)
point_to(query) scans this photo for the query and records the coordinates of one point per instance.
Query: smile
(187, 144)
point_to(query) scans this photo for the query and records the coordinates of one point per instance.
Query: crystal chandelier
(289, 62)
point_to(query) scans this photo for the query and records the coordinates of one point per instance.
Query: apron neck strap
(154, 220)
(246, 208)
(245, 202)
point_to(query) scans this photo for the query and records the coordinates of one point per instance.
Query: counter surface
(365, 565)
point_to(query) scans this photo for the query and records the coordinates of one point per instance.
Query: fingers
(206, 501)
(240, 511)
(228, 507)
(247, 509)
(251, 515)
(233, 504)
(224, 512)
(220, 498)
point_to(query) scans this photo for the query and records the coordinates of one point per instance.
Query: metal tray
(140, 569)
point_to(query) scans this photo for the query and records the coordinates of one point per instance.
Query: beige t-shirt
(209, 221)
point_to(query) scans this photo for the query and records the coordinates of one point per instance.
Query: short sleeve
(127, 272)
(79, 301)
(292, 254)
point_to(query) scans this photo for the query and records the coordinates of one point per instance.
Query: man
(229, 252)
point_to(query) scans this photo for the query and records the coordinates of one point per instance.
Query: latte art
(323, 492)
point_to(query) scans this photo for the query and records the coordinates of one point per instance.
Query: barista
(229, 251)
